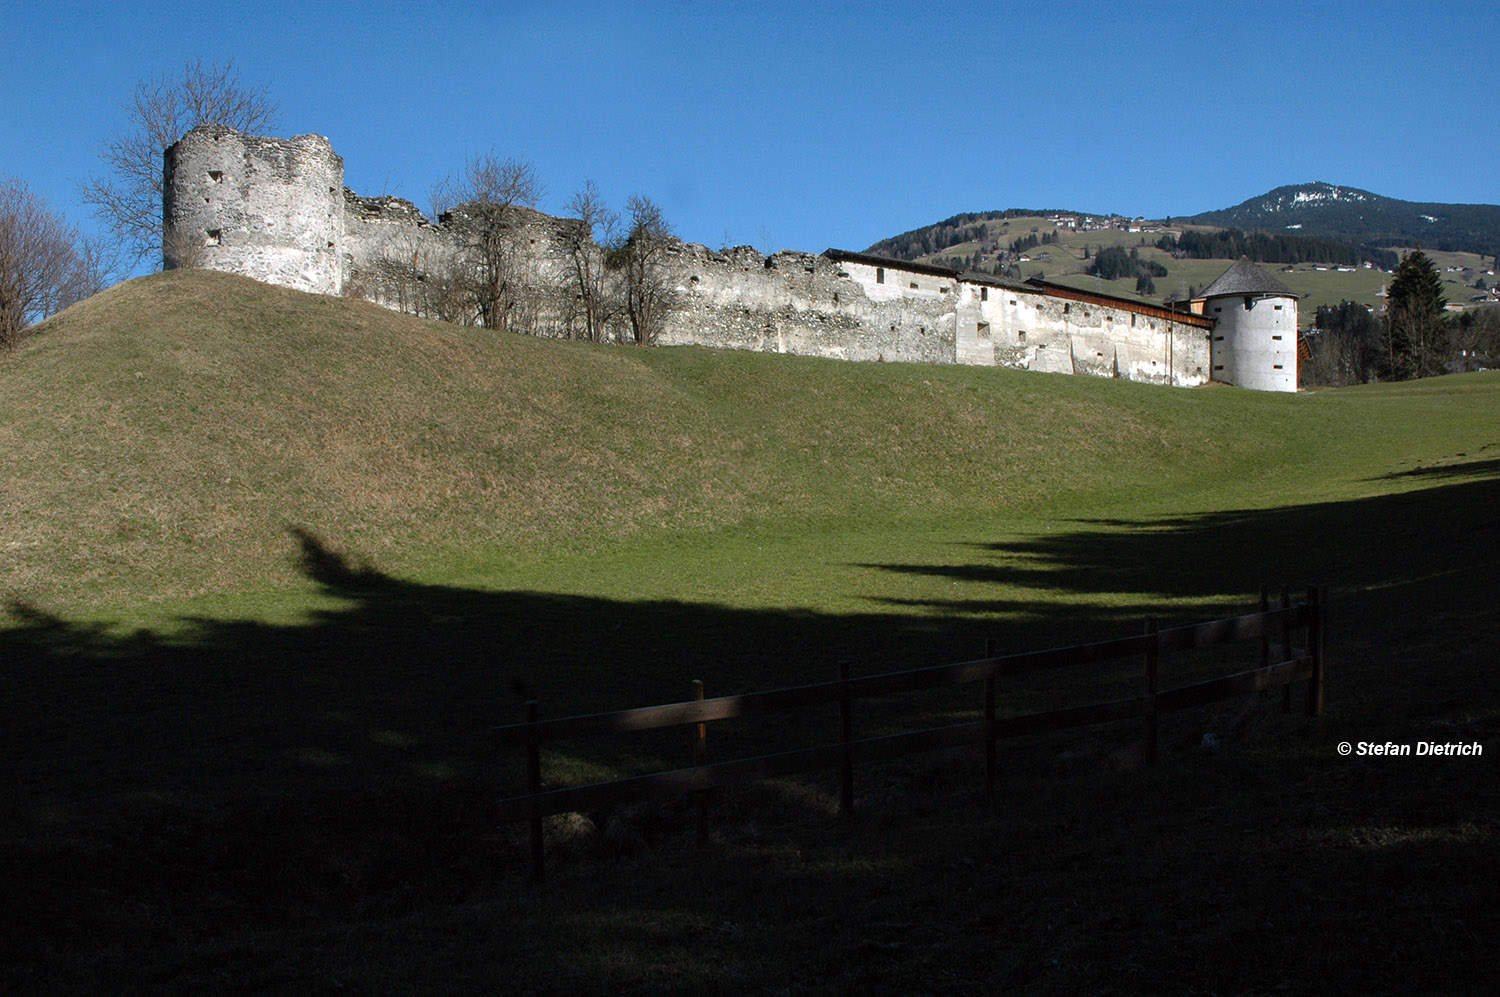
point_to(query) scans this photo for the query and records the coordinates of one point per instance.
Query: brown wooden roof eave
(839, 256)
(1032, 286)
(1110, 301)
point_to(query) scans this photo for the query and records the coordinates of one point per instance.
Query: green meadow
(275, 565)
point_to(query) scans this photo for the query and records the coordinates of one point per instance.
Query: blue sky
(806, 125)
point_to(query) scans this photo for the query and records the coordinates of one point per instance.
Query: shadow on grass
(1470, 469)
(1401, 540)
(167, 789)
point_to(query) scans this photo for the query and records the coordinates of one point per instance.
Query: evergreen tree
(1414, 334)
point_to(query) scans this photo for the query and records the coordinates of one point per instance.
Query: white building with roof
(1254, 342)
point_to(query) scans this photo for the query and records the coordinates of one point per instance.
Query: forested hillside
(1306, 223)
(1357, 216)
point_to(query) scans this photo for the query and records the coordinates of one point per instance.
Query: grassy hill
(165, 436)
(276, 564)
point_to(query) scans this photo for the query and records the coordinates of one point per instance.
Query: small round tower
(1255, 329)
(268, 208)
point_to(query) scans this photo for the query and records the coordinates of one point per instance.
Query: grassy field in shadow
(276, 565)
(316, 797)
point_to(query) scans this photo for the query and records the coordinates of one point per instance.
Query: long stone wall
(853, 307)
(276, 209)
(1059, 329)
(798, 303)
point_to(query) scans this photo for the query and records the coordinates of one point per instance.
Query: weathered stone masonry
(268, 208)
(277, 210)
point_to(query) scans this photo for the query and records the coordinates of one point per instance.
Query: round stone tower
(1255, 329)
(268, 208)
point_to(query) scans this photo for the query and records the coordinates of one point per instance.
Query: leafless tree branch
(588, 281)
(127, 197)
(483, 207)
(41, 271)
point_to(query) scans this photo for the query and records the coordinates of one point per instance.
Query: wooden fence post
(1286, 647)
(846, 767)
(700, 756)
(989, 722)
(534, 786)
(1152, 655)
(1317, 632)
(1265, 644)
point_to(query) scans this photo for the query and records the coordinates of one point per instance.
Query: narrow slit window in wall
(1275, 337)
(880, 275)
(216, 176)
(984, 294)
(1276, 366)
(215, 237)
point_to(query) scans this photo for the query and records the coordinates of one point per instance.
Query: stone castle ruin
(277, 210)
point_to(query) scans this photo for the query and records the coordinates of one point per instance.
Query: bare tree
(484, 206)
(642, 260)
(1476, 338)
(583, 269)
(41, 271)
(127, 199)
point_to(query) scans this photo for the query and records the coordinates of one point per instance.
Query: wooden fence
(1282, 662)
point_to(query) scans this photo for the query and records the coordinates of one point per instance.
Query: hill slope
(164, 437)
(1358, 216)
(303, 801)
(1345, 215)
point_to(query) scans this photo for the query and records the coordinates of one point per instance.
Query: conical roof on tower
(1245, 277)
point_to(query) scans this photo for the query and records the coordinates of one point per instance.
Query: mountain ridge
(1318, 209)
(1354, 215)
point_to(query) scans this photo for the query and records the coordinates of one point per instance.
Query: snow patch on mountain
(1307, 197)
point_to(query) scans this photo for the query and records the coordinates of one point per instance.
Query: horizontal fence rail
(1294, 664)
